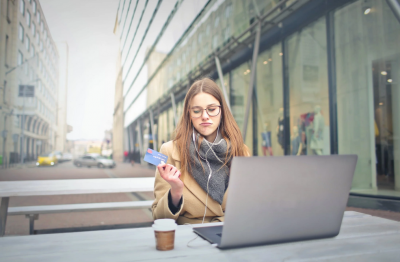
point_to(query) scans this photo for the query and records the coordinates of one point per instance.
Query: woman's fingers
(177, 174)
(161, 168)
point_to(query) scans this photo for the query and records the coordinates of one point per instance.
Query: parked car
(90, 160)
(58, 155)
(47, 159)
(67, 157)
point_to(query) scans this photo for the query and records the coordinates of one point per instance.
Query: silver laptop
(283, 199)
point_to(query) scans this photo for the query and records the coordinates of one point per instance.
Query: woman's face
(207, 121)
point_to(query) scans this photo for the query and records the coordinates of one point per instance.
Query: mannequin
(280, 127)
(317, 137)
(297, 145)
(266, 141)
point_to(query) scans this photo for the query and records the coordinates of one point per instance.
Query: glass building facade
(327, 81)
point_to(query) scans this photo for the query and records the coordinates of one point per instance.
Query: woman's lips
(205, 124)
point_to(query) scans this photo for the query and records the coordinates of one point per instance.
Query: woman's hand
(171, 174)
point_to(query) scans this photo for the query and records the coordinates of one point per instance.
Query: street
(19, 225)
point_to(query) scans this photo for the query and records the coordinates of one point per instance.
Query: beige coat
(194, 197)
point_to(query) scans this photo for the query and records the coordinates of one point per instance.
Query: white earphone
(208, 164)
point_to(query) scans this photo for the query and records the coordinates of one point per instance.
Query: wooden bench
(32, 212)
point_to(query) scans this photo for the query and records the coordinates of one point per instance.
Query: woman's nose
(204, 115)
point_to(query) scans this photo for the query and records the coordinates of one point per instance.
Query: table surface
(75, 186)
(362, 238)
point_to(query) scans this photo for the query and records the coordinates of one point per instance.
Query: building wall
(62, 126)
(31, 59)
(118, 117)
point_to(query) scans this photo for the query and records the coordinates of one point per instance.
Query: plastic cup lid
(164, 221)
(164, 227)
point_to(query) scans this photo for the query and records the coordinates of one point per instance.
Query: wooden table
(68, 187)
(362, 238)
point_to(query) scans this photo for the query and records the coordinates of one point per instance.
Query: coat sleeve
(160, 205)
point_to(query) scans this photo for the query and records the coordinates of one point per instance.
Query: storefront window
(238, 98)
(269, 102)
(308, 84)
(368, 95)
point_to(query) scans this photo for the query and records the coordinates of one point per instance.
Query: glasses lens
(213, 110)
(196, 112)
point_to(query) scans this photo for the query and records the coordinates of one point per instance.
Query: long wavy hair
(228, 127)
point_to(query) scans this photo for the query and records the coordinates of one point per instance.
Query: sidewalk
(29, 164)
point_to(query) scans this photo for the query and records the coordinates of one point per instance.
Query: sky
(87, 26)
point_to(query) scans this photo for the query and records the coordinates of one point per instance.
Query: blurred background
(83, 82)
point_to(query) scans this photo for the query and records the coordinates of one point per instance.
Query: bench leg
(32, 218)
(3, 215)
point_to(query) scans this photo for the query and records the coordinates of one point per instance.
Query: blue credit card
(154, 157)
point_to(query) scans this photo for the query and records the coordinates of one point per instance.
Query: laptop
(283, 199)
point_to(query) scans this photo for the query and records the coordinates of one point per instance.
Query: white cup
(165, 235)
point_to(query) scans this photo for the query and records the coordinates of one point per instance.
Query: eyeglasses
(197, 111)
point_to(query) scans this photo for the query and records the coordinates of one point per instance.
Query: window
(216, 22)
(20, 58)
(27, 43)
(269, 101)
(37, 38)
(41, 46)
(41, 26)
(38, 17)
(45, 35)
(228, 11)
(227, 33)
(367, 71)
(22, 7)
(34, 7)
(32, 50)
(238, 98)
(40, 66)
(308, 82)
(21, 33)
(6, 50)
(8, 10)
(33, 29)
(28, 18)
(215, 41)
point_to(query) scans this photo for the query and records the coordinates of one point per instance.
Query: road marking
(134, 196)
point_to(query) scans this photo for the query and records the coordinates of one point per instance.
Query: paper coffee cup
(165, 235)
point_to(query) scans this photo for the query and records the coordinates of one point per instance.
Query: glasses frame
(220, 109)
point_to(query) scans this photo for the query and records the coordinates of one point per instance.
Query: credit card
(154, 157)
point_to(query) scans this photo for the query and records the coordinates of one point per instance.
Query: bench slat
(48, 209)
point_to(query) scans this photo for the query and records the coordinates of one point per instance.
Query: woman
(192, 186)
